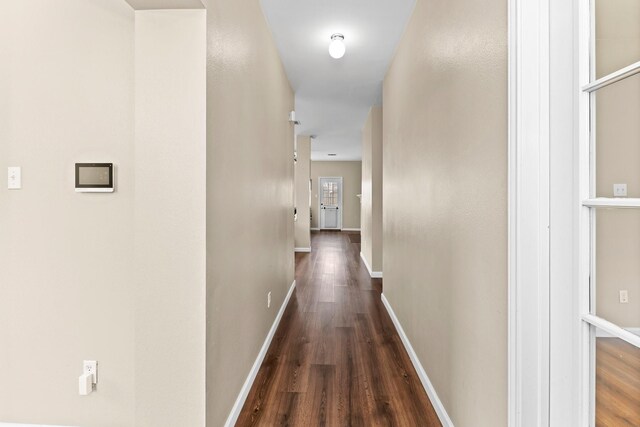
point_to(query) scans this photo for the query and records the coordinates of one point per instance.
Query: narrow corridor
(336, 358)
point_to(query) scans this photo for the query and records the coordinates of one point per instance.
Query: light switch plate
(619, 190)
(14, 176)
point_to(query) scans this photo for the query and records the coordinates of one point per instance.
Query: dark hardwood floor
(336, 359)
(617, 383)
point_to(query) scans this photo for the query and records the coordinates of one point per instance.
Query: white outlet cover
(14, 178)
(620, 190)
(624, 297)
(91, 367)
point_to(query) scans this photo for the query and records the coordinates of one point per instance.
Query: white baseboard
(373, 274)
(422, 374)
(314, 229)
(302, 249)
(26, 425)
(350, 229)
(604, 334)
(244, 392)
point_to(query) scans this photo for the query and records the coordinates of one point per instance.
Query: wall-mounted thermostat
(94, 177)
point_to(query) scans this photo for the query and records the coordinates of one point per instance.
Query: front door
(330, 203)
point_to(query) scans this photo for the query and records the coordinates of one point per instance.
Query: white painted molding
(314, 229)
(528, 212)
(302, 249)
(26, 425)
(165, 4)
(422, 374)
(600, 333)
(611, 328)
(244, 392)
(350, 229)
(373, 274)
(612, 78)
(619, 202)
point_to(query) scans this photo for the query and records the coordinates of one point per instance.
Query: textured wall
(351, 173)
(250, 177)
(303, 174)
(66, 273)
(111, 277)
(170, 154)
(445, 201)
(371, 212)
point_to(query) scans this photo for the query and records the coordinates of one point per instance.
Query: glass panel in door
(617, 381)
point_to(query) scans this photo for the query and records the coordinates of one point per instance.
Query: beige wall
(303, 196)
(371, 212)
(618, 161)
(91, 276)
(351, 173)
(170, 261)
(250, 232)
(445, 201)
(66, 273)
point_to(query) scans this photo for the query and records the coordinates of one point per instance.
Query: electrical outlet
(619, 190)
(624, 297)
(91, 367)
(269, 300)
(15, 178)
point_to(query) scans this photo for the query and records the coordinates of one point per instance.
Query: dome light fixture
(337, 47)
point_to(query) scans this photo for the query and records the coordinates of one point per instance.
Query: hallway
(336, 358)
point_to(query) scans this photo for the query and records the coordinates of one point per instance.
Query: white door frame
(340, 205)
(546, 335)
(528, 241)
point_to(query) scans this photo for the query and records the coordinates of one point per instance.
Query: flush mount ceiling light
(337, 47)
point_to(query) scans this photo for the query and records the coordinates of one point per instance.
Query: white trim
(244, 391)
(314, 229)
(26, 425)
(613, 329)
(94, 190)
(528, 212)
(422, 374)
(302, 249)
(601, 333)
(618, 202)
(612, 78)
(583, 66)
(512, 125)
(373, 274)
(164, 4)
(634, 331)
(350, 229)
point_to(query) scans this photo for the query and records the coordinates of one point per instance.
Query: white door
(330, 203)
(610, 230)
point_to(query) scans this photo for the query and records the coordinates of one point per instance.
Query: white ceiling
(333, 96)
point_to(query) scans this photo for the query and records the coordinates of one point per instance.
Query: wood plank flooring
(336, 359)
(617, 383)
